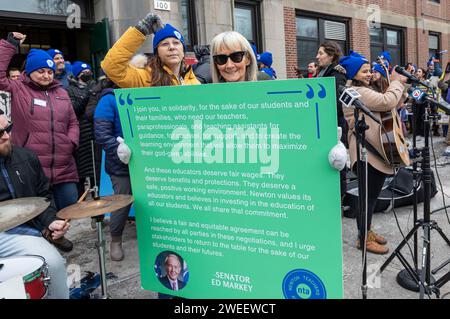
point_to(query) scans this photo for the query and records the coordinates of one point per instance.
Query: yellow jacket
(117, 68)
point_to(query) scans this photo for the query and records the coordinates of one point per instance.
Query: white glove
(123, 151)
(338, 154)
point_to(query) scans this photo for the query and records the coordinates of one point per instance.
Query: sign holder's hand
(123, 151)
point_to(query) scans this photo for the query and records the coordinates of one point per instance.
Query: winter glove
(150, 24)
(123, 151)
(16, 38)
(338, 154)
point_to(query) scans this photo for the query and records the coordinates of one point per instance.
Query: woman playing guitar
(359, 72)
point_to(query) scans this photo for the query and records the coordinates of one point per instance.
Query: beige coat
(376, 102)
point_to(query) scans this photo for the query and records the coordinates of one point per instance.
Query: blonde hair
(233, 41)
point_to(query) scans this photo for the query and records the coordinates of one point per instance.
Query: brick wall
(411, 45)
(405, 7)
(290, 31)
(415, 41)
(359, 37)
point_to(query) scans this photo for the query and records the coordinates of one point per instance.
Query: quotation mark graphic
(122, 102)
(311, 93)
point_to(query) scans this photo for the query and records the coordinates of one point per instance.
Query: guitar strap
(373, 150)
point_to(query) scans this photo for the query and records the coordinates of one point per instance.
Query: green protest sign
(234, 195)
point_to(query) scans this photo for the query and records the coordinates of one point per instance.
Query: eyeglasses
(222, 59)
(7, 129)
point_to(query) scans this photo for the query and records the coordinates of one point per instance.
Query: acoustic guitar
(392, 139)
(395, 148)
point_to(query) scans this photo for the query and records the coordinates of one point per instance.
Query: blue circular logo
(177, 34)
(303, 284)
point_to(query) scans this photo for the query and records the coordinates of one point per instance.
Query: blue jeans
(65, 194)
(21, 245)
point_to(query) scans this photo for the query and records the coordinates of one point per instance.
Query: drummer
(21, 175)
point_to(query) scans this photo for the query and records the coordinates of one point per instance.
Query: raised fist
(150, 24)
(16, 38)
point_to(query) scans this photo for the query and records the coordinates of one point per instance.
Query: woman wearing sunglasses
(165, 68)
(233, 58)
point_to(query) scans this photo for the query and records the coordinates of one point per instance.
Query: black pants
(375, 185)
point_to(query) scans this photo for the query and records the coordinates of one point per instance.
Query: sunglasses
(222, 59)
(7, 129)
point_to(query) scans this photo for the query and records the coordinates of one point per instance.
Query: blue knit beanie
(352, 63)
(377, 67)
(167, 32)
(78, 67)
(387, 56)
(53, 52)
(38, 59)
(266, 58)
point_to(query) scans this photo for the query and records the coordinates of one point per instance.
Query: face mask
(86, 77)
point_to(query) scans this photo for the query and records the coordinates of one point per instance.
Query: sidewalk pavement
(126, 285)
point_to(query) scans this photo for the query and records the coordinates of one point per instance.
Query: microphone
(411, 77)
(421, 97)
(349, 97)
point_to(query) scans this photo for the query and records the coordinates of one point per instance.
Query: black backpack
(398, 188)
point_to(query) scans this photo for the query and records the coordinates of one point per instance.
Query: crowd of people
(62, 116)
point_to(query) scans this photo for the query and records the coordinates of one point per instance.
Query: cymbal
(18, 211)
(92, 208)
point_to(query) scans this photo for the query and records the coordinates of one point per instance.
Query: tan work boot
(116, 250)
(373, 247)
(375, 237)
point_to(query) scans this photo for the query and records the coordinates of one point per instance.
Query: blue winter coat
(107, 128)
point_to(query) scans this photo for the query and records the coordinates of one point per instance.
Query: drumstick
(82, 198)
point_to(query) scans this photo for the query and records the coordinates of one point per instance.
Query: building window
(247, 21)
(312, 31)
(387, 39)
(189, 23)
(433, 44)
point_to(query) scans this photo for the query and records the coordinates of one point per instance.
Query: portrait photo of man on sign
(171, 270)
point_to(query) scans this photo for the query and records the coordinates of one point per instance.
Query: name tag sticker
(40, 102)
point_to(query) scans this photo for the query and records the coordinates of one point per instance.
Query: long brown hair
(381, 85)
(160, 77)
(333, 49)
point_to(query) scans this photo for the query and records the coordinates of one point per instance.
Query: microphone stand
(361, 156)
(423, 279)
(403, 277)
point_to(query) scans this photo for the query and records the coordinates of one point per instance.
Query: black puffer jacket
(80, 95)
(29, 180)
(202, 69)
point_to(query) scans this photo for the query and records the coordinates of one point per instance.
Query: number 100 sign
(162, 5)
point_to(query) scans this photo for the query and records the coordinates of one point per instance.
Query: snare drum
(32, 269)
